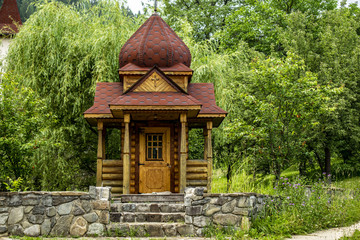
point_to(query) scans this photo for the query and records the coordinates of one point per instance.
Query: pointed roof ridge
(9, 17)
(148, 74)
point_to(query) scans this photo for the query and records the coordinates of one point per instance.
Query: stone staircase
(149, 215)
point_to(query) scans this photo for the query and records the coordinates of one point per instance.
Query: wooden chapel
(154, 105)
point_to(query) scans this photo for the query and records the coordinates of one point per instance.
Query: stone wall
(54, 213)
(233, 209)
(87, 213)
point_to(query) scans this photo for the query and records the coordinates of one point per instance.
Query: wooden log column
(209, 154)
(183, 152)
(126, 156)
(100, 152)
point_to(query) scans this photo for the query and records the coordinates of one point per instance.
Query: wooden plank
(112, 176)
(112, 170)
(205, 143)
(183, 153)
(194, 163)
(116, 190)
(112, 163)
(126, 156)
(99, 163)
(196, 169)
(103, 134)
(196, 176)
(99, 172)
(209, 126)
(197, 183)
(112, 183)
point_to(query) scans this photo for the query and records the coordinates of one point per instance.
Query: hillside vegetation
(287, 72)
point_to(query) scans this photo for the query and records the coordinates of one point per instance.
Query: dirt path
(329, 234)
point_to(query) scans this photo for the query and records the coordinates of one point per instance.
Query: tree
(259, 23)
(206, 16)
(329, 44)
(61, 52)
(20, 120)
(280, 103)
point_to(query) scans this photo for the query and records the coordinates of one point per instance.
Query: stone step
(146, 198)
(147, 207)
(150, 230)
(128, 217)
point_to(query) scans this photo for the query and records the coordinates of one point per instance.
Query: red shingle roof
(110, 93)
(155, 99)
(9, 13)
(204, 92)
(154, 43)
(104, 94)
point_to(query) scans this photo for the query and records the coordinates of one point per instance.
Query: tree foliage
(286, 71)
(60, 54)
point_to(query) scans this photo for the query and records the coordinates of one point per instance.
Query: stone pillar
(209, 156)
(183, 152)
(126, 156)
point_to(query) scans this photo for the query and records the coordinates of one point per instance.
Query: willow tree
(60, 53)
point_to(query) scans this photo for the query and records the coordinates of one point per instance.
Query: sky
(135, 5)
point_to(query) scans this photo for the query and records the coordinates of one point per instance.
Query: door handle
(140, 164)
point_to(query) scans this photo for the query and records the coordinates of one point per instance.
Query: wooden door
(154, 161)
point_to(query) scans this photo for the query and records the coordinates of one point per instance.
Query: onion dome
(9, 14)
(154, 43)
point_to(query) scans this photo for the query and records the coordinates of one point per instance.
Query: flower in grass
(329, 175)
(281, 178)
(324, 173)
(288, 198)
(303, 204)
(286, 179)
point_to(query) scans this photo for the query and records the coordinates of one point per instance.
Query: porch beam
(209, 157)
(183, 153)
(126, 156)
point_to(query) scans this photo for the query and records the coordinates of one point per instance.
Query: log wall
(197, 173)
(112, 175)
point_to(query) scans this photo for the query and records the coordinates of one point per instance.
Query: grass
(299, 211)
(241, 182)
(350, 183)
(355, 236)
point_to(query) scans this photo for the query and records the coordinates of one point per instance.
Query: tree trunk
(327, 162)
(302, 168)
(228, 176)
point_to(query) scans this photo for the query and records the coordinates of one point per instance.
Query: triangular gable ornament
(155, 80)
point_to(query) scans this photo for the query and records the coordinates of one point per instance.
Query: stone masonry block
(193, 211)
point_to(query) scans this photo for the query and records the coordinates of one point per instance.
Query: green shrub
(301, 209)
